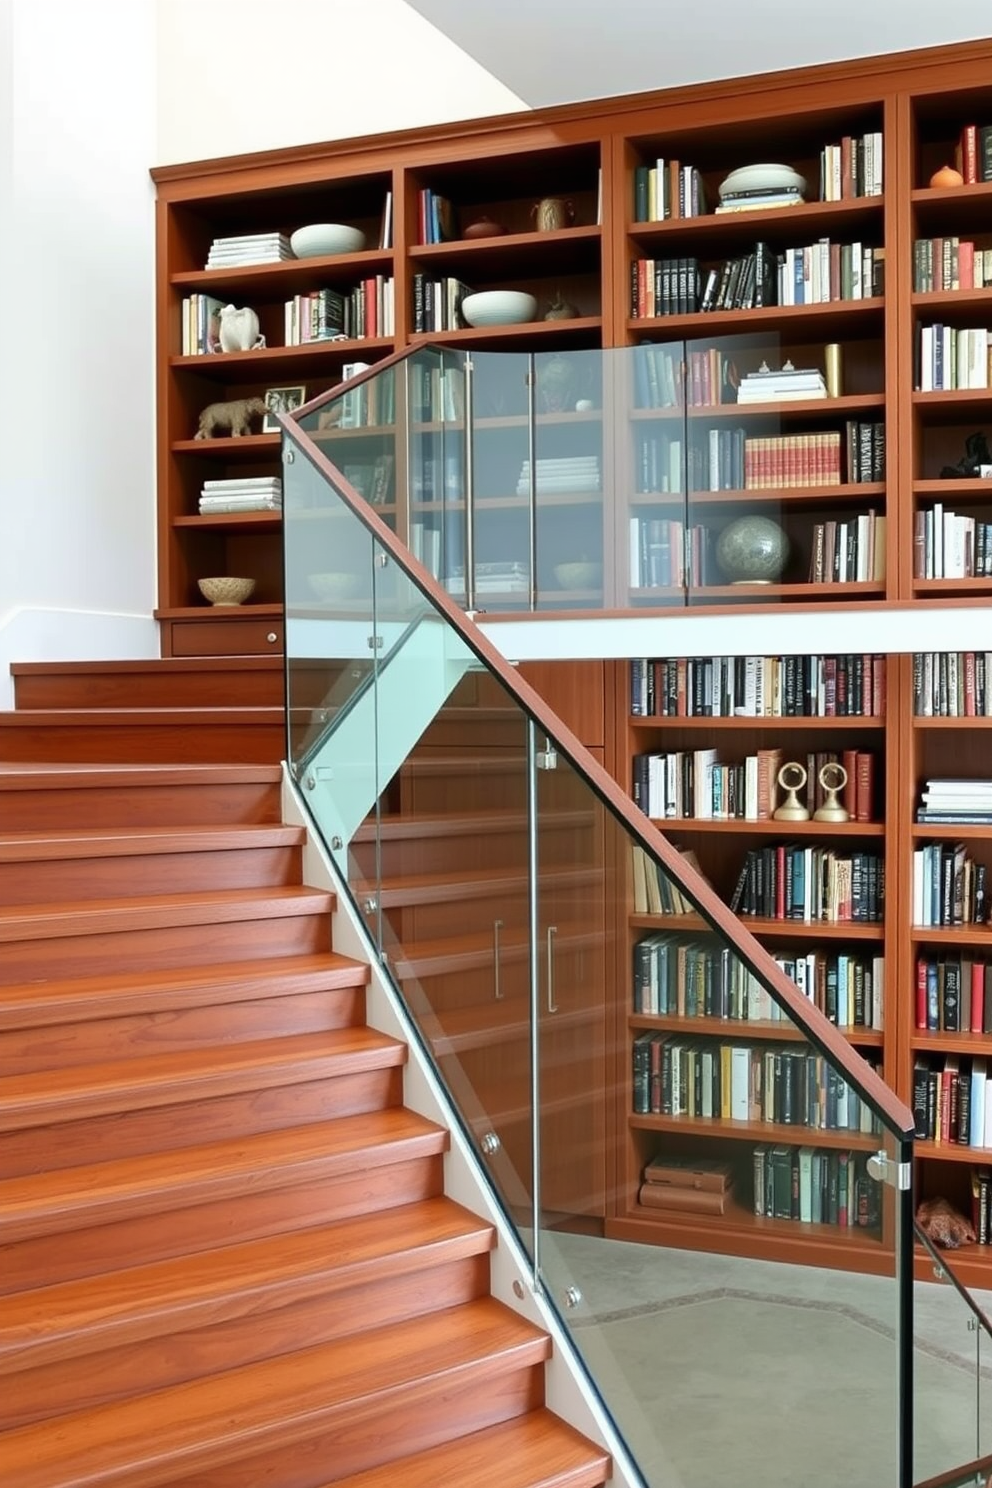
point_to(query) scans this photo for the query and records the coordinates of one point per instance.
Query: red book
(864, 794)
(849, 798)
(977, 996)
(685, 1200)
(878, 687)
(969, 154)
(966, 264)
(969, 684)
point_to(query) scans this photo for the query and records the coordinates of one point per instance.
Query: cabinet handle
(552, 932)
(271, 637)
(497, 927)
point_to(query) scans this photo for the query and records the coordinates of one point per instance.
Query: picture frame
(281, 400)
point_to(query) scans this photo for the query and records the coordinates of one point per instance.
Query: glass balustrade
(568, 973)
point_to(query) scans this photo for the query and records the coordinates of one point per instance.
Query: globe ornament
(752, 550)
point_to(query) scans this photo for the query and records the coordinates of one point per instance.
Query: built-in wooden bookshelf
(915, 107)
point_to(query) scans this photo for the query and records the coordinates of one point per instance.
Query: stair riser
(112, 877)
(137, 1239)
(229, 1341)
(61, 1046)
(164, 948)
(129, 1133)
(94, 807)
(150, 689)
(179, 744)
(358, 1442)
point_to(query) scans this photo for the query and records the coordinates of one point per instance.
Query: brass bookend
(792, 777)
(833, 778)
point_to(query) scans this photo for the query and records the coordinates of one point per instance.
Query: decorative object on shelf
(332, 586)
(281, 400)
(748, 179)
(324, 239)
(556, 384)
(944, 1225)
(792, 778)
(239, 329)
(584, 405)
(232, 418)
(832, 778)
(226, 591)
(552, 213)
(752, 550)
(832, 361)
(583, 574)
(946, 176)
(976, 454)
(484, 227)
(493, 307)
(560, 309)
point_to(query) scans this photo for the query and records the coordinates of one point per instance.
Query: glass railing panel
(652, 468)
(497, 492)
(525, 910)
(952, 1340)
(566, 478)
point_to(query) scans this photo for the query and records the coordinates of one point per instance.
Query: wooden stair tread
(71, 1000)
(420, 888)
(103, 916)
(18, 847)
(537, 1450)
(149, 664)
(133, 1084)
(195, 1427)
(84, 1316)
(92, 1194)
(21, 774)
(130, 717)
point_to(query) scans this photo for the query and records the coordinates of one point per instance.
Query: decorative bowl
(763, 178)
(752, 550)
(579, 575)
(328, 586)
(321, 239)
(226, 591)
(491, 307)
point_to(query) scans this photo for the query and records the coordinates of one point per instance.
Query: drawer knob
(271, 637)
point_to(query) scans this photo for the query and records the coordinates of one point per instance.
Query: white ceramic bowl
(491, 307)
(766, 177)
(226, 591)
(579, 575)
(321, 239)
(328, 586)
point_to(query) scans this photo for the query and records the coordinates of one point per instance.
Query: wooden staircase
(225, 1250)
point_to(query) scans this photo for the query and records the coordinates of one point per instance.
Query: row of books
(950, 545)
(953, 994)
(437, 303)
(786, 384)
(849, 551)
(825, 271)
(814, 273)
(366, 310)
(694, 1186)
(437, 394)
(758, 686)
(435, 217)
(730, 459)
(654, 891)
(810, 885)
(372, 479)
(952, 1102)
(695, 784)
(951, 357)
(666, 188)
(781, 462)
(950, 263)
(951, 800)
(659, 463)
(675, 977)
(765, 1083)
(664, 553)
(241, 494)
(816, 1186)
(952, 684)
(949, 887)
(854, 167)
(973, 153)
(200, 324)
(370, 405)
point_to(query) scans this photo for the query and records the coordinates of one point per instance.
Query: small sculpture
(976, 454)
(552, 213)
(239, 329)
(233, 418)
(792, 777)
(947, 176)
(556, 385)
(560, 309)
(944, 1225)
(484, 227)
(832, 778)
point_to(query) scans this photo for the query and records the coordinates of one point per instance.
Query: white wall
(229, 81)
(77, 502)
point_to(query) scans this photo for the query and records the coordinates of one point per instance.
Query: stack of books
(693, 1185)
(243, 494)
(956, 801)
(572, 474)
(492, 578)
(250, 248)
(767, 386)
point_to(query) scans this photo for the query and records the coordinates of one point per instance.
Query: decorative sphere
(752, 550)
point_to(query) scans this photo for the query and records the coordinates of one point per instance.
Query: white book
(806, 1185)
(979, 1081)
(987, 1134)
(740, 1082)
(245, 483)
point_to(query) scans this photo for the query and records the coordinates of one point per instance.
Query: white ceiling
(563, 51)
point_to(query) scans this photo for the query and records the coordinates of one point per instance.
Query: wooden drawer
(234, 637)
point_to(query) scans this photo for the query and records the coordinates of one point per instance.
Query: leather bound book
(685, 1200)
(699, 1174)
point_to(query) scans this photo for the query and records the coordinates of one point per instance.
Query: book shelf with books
(948, 316)
(950, 943)
(707, 738)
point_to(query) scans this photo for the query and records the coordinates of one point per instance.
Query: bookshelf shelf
(794, 223)
(772, 724)
(236, 521)
(852, 493)
(833, 318)
(295, 276)
(767, 1032)
(742, 827)
(952, 935)
(954, 724)
(586, 329)
(279, 361)
(762, 1132)
(765, 929)
(248, 448)
(946, 587)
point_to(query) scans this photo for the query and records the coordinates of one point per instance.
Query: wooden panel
(576, 690)
(225, 637)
